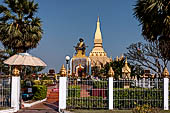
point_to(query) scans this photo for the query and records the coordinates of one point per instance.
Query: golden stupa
(98, 56)
(126, 71)
(63, 71)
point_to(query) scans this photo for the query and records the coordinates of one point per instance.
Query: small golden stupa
(126, 71)
(111, 72)
(63, 71)
(165, 73)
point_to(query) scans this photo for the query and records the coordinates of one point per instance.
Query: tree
(20, 30)
(147, 56)
(154, 16)
(4, 54)
(117, 68)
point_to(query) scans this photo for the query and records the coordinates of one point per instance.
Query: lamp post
(67, 61)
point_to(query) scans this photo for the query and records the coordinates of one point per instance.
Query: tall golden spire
(98, 54)
(98, 35)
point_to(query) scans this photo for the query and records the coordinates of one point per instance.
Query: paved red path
(44, 107)
(49, 106)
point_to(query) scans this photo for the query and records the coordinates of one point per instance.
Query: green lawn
(108, 111)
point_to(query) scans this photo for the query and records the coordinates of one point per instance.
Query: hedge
(91, 102)
(100, 84)
(132, 97)
(74, 91)
(43, 82)
(122, 98)
(39, 92)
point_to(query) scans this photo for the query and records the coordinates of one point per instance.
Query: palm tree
(154, 16)
(20, 30)
(4, 54)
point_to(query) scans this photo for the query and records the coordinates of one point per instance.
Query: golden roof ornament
(165, 73)
(63, 71)
(111, 72)
(15, 71)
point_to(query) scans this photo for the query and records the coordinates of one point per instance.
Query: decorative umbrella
(24, 59)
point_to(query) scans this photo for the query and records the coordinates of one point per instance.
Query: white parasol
(24, 59)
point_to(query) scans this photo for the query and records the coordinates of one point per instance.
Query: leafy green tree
(154, 16)
(117, 68)
(4, 54)
(20, 29)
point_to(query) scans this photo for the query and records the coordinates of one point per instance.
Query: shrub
(46, 82)
(22, 83)
(74, 91)
(129, 98)
(145, 109)
(100, 84)
(87, 102)
(37, 82)
(39, 91)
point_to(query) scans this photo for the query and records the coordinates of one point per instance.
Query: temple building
(98, 56)
(80, 64)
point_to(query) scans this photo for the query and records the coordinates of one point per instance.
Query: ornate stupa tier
(98, 52)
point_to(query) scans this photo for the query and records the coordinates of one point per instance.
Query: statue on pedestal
(80, 46)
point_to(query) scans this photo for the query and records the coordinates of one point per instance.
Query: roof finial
(126, 60)
(98, 36)
(98, 19)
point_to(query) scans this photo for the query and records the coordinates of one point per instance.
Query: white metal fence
(5, 91)
(113, 94)
(128, 94)
(87, 93)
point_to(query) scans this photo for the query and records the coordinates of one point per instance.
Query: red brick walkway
(44, 107)
(49, 106)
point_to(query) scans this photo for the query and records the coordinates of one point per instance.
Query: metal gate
(128, 94)
(5, 91)
(87, 93)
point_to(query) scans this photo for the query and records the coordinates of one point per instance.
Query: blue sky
(65, 21)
